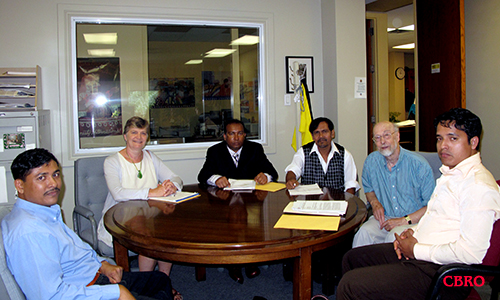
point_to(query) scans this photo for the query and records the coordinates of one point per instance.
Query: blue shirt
(48, 260)
(403, 190)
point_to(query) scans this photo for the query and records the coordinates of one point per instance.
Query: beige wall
(396, 86)
(482, 68)
(295, 28)
(344, 59)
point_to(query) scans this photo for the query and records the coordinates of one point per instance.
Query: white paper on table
(306, 189)
(3, 186)
(320, 207)
(240, 184)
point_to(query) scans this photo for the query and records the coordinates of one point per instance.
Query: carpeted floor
(269, 284)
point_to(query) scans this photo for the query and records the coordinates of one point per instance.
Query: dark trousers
(375, 272)
(144, 285)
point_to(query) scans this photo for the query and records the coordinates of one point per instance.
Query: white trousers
(370, 233)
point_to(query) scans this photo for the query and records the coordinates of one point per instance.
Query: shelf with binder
(19, 88)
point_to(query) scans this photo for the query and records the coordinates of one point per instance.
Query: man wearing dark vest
(323, 162)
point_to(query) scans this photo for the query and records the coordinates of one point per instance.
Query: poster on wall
(216, 85)
(99, 99)
(172, 92)
(297, 68)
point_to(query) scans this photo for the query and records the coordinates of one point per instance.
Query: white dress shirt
(350, 172)
(457, 225)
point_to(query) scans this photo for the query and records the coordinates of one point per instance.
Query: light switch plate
(288, 99)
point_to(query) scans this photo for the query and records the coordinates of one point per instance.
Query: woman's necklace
(139, 174)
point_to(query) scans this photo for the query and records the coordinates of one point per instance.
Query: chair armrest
(84, 212)
(458, 269)
(89, 215)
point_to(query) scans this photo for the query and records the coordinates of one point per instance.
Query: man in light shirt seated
(456, 228)
(48, 260)
(397, 183)
(322, 161)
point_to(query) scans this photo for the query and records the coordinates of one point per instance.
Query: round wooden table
(223, 227)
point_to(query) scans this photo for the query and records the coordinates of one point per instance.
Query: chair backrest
(434, 161)
(90, 188)
(8, 285)
(492, 257)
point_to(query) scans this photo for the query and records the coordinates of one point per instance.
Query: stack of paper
(240, 185)
(308, 222)
(317, 207)
(178, 197)
(306, 189)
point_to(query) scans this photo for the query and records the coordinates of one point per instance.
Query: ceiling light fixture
(403, 29)
(405, 46)
(101, 52)
(408, 27)
(101, 38)
(246, 40)
(194, 62)
(218, 52)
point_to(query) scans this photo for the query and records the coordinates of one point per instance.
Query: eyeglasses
(386, 136)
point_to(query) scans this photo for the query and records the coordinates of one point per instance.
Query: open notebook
(178, 197)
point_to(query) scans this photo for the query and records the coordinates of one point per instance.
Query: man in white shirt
(456, 227)
(322, 161)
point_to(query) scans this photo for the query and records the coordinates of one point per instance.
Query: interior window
(186, 80)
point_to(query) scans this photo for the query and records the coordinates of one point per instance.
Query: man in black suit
(237, 158)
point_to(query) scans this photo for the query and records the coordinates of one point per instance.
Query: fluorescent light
(218, 52)
(101, 52)
(101, 38)
(405, 46)
(246, 40)
(409, 27)
(403, 29)
(194, 62)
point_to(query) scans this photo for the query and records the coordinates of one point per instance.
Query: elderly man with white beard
(398, 184)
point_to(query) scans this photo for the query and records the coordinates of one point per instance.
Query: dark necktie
(236, 158)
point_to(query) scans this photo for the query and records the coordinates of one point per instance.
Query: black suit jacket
(252, 161)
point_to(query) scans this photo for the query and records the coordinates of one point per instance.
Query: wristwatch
(408, 219)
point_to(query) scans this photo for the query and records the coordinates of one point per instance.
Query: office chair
(90, 194)
(9, 290)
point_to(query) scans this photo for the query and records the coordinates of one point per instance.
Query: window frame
(73, 14)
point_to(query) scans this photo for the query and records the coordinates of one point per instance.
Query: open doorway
(391, 70)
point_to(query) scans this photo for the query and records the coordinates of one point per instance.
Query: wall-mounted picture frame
(295, 67)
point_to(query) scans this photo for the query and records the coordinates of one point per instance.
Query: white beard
(386, 152)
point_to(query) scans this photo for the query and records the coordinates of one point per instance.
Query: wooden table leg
(302, 276)
(201, 273)
(121, 255)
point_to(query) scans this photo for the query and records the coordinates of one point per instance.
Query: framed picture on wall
(298, 67)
